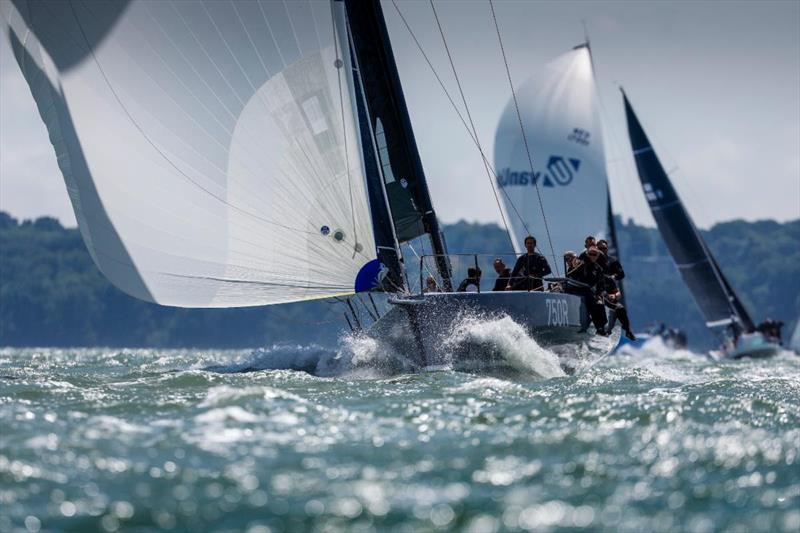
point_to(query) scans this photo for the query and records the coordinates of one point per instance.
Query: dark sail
(407, 190)
(382, 224)
(711, 291)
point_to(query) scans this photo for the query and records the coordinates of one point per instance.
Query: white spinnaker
(559, 109)
(210, 149)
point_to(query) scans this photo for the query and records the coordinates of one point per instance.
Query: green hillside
(51, 294)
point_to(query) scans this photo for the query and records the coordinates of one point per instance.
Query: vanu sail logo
(560, 171)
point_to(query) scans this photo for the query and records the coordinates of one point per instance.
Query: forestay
(209, 148)
(559, 111)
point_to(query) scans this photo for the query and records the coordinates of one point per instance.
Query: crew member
(529, 269)
(613, 269)
(591, 277)
(431, 285)
(472, 283)
(589, 242)
(503, 275)
(612, 298)
(612, 265)
(771, 329)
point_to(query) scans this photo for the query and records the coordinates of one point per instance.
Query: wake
(476, 344)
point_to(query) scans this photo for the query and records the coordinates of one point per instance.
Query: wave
(476, 344)
(500, 340)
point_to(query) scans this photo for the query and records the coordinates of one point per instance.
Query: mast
(404, 179)
(383, 228)
(613, 242)
(710, 289)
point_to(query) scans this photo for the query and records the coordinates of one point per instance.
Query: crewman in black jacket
(613, 297)
(592, 276)
(612, 265)
(529, 269)
(503, 275)
(589, 242)
(472, 283)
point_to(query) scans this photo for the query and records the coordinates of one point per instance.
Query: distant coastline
(51, 293)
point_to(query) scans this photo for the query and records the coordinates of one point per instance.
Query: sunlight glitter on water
(119, 439)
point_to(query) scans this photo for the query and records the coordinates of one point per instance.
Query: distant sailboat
(560, 109)
(254, 153)
(723, 310)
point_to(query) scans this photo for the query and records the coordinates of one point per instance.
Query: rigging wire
(458, 113)
(524, 137)
(489, 174)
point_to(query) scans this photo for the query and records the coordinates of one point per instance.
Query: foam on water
(661, 440)
(504, 338)
(359, 355)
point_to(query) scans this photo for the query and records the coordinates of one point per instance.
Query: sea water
(304, 438)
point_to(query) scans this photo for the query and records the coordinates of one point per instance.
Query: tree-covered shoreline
(51, 293)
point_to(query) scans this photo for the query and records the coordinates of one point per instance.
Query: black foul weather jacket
(527, 268)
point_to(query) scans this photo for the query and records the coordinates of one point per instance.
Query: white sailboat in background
(564, 177)
(243, 154)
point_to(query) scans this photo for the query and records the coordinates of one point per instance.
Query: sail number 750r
(557, 312)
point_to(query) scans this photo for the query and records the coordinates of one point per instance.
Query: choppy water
(105, 439)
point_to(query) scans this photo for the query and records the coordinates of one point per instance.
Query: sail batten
(211, 150)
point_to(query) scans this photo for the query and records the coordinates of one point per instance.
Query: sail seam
(156, 148)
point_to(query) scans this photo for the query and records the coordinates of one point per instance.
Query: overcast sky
(716, 85)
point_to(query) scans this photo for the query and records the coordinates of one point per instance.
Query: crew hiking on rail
(595, 274)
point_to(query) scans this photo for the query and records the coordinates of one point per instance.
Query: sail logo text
(560, 171)
(579, 136)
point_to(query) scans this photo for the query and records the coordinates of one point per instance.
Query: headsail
(708, 285)
(210, 149)
(559, 109)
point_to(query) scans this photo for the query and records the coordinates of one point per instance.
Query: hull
(423, 328)
(752, 345)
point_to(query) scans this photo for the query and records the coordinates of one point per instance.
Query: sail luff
(708, 286)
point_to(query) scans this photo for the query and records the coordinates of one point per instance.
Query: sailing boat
(723, 310)
(561, 108)
(246, 154)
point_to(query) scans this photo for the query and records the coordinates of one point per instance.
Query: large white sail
(210, 148)
(559, 110)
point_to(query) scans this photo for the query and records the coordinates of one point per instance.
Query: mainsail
(560, 114)
(210, 149)
(709, 287)
(401, 169)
